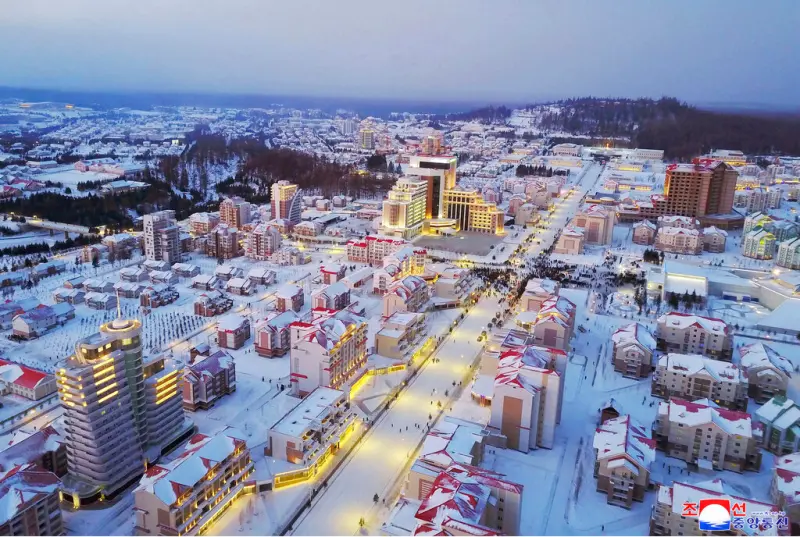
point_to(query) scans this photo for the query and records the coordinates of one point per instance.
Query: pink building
(289, 297)
(273, 336)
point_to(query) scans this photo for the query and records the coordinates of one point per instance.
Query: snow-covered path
(382, 455)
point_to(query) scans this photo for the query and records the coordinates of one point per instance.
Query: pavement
(379, 460)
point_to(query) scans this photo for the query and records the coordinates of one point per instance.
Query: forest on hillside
(683, 131)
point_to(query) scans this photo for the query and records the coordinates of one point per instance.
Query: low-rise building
(228, 272)
(164, 276)
(332, 273)
(207, 380)
(233, 331)
(570, 242)
(30, 496)
(211, 304)
(780, 418)
(409, 294)
(596, 222)
(644, 232)
(240, 286)
(133, 274)
(785, 488)
(632, 351)
(184, 496)
(537, 291)
(335, 296)
(692, 376)
(707, 436)
(623, 452)
(70, 296)
(679, 241)
(676, 509)
(156, 296)
(767, 372)
(400, 334)
(272, 334)
(101, 301)
(314, 426)
(185, 270)
(554, 323)
(261, 276)
(289, 297)
(25, 381)
(789, 254)
(714, 239)
(206, 282)
(687, 333)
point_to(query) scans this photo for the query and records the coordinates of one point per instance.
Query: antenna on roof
(119, 307)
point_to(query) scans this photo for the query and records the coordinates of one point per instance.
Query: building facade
(685, 333)
(692, 376)
(161, 237)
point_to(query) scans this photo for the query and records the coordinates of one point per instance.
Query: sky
(514, 51)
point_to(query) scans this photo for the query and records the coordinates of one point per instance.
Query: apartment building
(752, 200)
(597, 223)
(537, 291)
(670, 515)
(315, 425)
(234, 212)
(332, 273)
(703, 188)
(335, 296)
(785, 488)
(527, 397)
(687, 333)
(272, 336)
(207, 380)
(404, 262)
(327, 350)
(678, 221)
(692, 376)
(286, 202)
(289, 297)
(767, 371)
(263, 241)
(758, 244)
(30, 500)
(186, 495)
(373, 248)
(463, 500)
(400, 334)
(161, 237)
(202, 223)
(411, 294)
(554, 323)
(233, 331)
(404, 208)
(714, 239)
(789, 254)
(709, 437)
(632, 350)
(644, 232)
(112, 401)
(677, 240)
(623, 452)
(223, 242)
(570, 241)
(780, 419)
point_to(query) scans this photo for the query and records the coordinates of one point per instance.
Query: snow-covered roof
(541, 286)
(230, 322)
(692, 364)
(695, 413)
(622, 436)
(450, 441)
(21, 375)
(558, 305)
(685, 320)
(758, 355)
(170, 480)
(22, 486)
(634, 333)
(288, 291)
(787, 477)
(275, 320)
(309, 412)
(669, 230)
(22, 446)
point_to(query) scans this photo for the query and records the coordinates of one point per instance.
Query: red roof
(29, 379)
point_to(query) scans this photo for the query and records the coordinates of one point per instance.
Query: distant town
(281, 321)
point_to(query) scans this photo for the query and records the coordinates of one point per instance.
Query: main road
(382, 455)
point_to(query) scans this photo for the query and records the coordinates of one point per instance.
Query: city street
(377, 462)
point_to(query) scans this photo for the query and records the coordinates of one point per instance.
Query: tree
(68, 191)
(673, 301)
(112, 256)
(95, 260)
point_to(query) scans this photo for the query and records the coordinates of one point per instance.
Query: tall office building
(439, 173)
(472, 212)
(367, 136)
(285, 200)
(120, 411)
(701, 190)
(404, 210)
(235, 212)
(162, 237)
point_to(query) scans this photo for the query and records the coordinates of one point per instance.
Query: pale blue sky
(498, 50)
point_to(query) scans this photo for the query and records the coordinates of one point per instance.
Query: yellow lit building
(404, 210)
(120, 412)
(472, 212)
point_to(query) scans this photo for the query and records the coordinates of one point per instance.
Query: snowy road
(384, 452)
